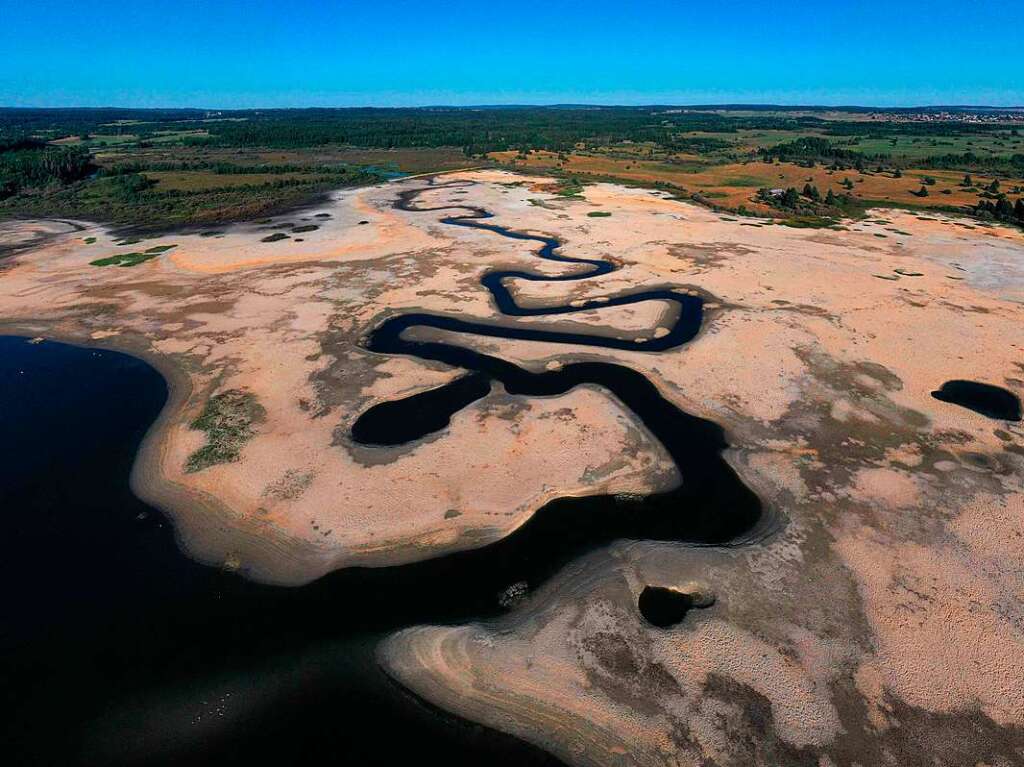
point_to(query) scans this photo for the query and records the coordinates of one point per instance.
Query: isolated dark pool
(989, 400)
(663, 607)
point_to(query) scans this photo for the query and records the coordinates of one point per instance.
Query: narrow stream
(710, 506)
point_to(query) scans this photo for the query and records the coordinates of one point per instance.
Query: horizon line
(539, 105)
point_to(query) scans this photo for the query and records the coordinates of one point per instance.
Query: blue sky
(396, 52)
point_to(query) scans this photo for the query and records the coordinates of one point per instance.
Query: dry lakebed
(765, 512)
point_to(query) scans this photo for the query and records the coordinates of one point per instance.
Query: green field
(916, 148)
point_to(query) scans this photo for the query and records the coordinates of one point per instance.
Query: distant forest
(49, 156)
(477, 131)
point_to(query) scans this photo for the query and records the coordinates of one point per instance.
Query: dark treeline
(1001, 209)
(813, 148)
(970, 161)
(890, 129)
(26, 166)
(476, 130)
(220, 168)
(74, 122)
(696, 145)
(16, 142)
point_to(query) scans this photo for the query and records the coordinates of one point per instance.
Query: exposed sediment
(880, 623)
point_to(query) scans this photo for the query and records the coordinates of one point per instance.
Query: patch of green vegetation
(745, 181)
(275, 237)
(124, 259)
(228, 420)
(160, 248)
(212, 233)
(599, 214)
(808, 222)
(89, 240)
(570, 188)
(305, 228)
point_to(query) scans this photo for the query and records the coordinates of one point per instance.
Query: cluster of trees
(25, 164)
(812, 148)
(129, 186)
(1001, 209)
(809, 200)
(696, 144)
(971, 161)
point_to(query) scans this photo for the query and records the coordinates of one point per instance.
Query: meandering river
(118, 649)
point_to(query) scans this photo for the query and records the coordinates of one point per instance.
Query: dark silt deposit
(119, 649)
(989, 400)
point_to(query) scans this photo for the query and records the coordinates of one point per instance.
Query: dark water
(989, 400)
(115, 648)
(663, 607)
(118, 649)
